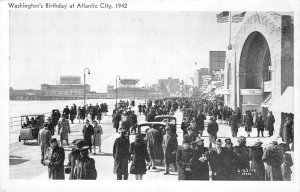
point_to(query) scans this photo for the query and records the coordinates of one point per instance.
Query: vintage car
(168, 120)
(30, 126)
(142, 128)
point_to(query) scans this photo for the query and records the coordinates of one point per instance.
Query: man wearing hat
(191, 135)
(215, 161)
(199, 163)
(242, 156)
(256, 162)
(200, 122)
(44, 137)
(66, 112)
(64, 130)
(229, 162)
(85, 169)
(273, 158)
(121, 155)
(260, 124)
(88, 134)
(212, 130)
(183, 159)
(54, 158)
(170, 145)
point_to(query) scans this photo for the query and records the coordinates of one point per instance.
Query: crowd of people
(192, 161)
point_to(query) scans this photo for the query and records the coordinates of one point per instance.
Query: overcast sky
(142, 45)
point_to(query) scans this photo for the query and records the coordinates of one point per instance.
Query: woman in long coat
(170, 145)
(97, 136)
(74, 156)
(256, 162)
(139, 154)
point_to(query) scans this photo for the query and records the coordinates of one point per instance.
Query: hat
(218, 141)
(198, 139)
(63, 115)
(228, 141)
(257, 143)
(53, 140)
(84, 148)
(46, 124)
(79, 143)
(242, 139)
(211, 118)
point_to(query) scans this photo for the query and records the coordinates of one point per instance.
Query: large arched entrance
(255, 62)
(255, 71)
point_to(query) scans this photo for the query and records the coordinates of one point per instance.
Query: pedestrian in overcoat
(64, 130)
(242, 157)
(234, 124)
(228, 161)
(73, 157)
(270, 120)
(215, 161)
(121, 155)
(273, 158)
(88, 134)
(170, 145)
(200, 123)
(256, 162)
(139, 156)
(287, 162)
(183, 159)
(154, 145)
(286, 132)
(44, 140)
(260, 124)
(97, 136)
(54, 158)
(212, 130)
(199, 163)
(85, 168)
(248, 122)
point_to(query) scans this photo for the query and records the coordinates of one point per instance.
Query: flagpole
(229, 46)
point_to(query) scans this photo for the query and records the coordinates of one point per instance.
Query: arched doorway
(255, 71)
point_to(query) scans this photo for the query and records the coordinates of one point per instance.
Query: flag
(223, 17)
(238, 17)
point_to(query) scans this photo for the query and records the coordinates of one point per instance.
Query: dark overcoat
(116, 121)
(139, 156)
(260, 123)
(121, 155)
(286, 167)
(85, 169)
(257, 163)
(56, 157)
(154, 144)
(270, 120)
(234, 123)
(200, 122)
(287, 132)
(183, 159)
(200, 170)
(72, 157)
(273, 158)
(241, 153)
(170, 145)
(88, 131)
(248, 121)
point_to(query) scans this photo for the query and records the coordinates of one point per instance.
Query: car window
(144, 128)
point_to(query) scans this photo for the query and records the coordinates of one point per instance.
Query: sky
(148, 46)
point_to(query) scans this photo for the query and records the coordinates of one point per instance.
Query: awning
(285, 103)
(268, 101)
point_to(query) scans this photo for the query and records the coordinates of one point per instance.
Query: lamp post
(84, 83)
(117, 76)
